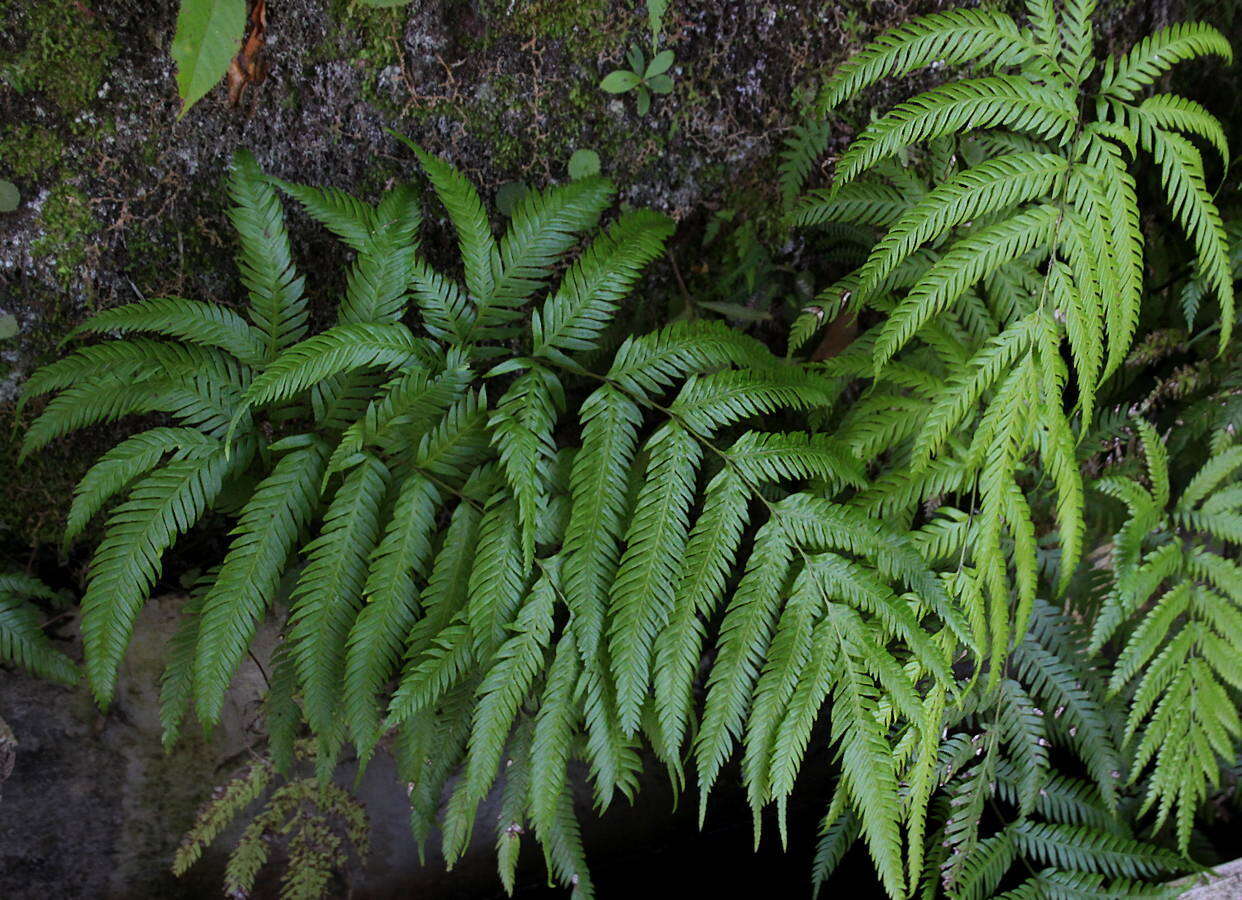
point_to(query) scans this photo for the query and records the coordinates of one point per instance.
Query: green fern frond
(1157, 53)
(948, 38)
(265, 259)
(329, 592)
(270, 525)
(1000, 101)
(22, 640)
(163, 505)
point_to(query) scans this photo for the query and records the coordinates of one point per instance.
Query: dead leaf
(247, 66)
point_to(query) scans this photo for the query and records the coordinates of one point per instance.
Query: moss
(27, 151)
(64, 50)
(582, 25)
(67, 223)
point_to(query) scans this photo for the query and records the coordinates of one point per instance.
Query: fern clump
(500, 536)
(1176, 595)
(501, 559)
(1020, 247)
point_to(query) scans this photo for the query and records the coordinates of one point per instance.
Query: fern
(496, 540)
(1177, 663)
(23, 642)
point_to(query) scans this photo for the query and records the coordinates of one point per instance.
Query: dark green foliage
(497, 542)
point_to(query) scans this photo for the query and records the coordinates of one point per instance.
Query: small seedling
(643, 77)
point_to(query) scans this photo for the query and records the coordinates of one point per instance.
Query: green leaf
(208, 36)
(657, 84)
(660, 63)
(10, 196)
(583, 164)
(620, 81)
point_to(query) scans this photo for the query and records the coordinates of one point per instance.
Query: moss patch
(64, 50)
(67, 223)
(27, 151)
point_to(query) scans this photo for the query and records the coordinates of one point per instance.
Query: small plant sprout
(643, 77)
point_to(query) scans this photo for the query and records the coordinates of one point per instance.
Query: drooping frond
(23, 642)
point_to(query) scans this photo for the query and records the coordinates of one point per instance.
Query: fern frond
(598, 492)
(642, 593)
(22, 641)
(130, 459)
(345, 216)
(1000, 101)
(744, 633)
(980, 191)
(1157, 53)
(376, 640)
(329, 592)
(505, 686)
(208, 324)
(586, 301)
(162, 506)
(948, 38)
(343, 348)
(800, 150)
(1181, 173)
(269, 527)
(970, 259)
(544, 225)
(265, 259)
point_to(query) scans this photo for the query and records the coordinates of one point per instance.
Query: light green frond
(948, 38)
(708, 402)
(970, 259)
(868, 771)
(967, 385)
(1157, 53)
(1210, 477)
(1078, 38)
(1171, 112)
(1001, 101)
(378, 279)
(993, 185)
(455, 446)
